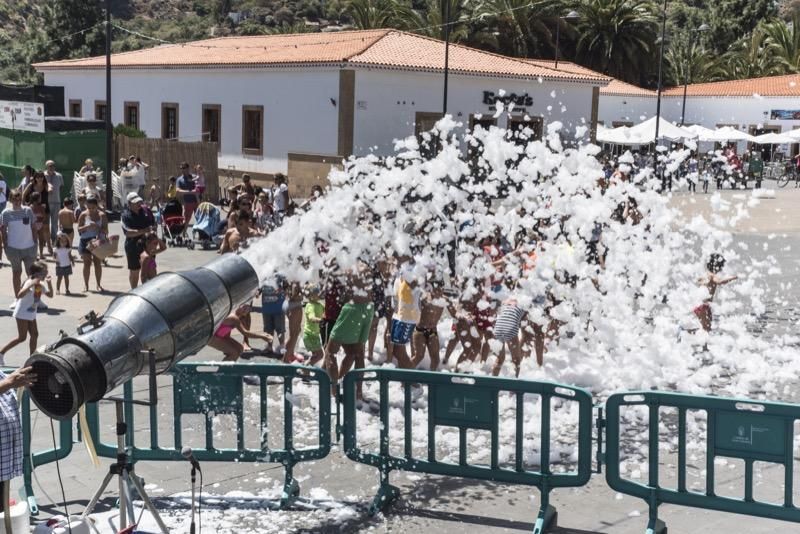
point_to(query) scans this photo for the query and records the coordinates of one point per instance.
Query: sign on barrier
(743, 429)
(467, 402)
(211, 389)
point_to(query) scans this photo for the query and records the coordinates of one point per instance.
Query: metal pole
(109, 127)
(446, 53)
(660, 68)
(558, 39)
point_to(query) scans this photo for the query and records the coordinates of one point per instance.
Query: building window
(100, 110)
(169, 121)
(132, 114)
(75, 109)
(212, 120)
(423, 123)
(518, 129)
(478, 171)
(253, 130)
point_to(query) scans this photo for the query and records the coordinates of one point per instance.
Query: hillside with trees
(743, 38)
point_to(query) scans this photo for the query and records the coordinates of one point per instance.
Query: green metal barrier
(212, 389)
(742, 429)
(467, 402)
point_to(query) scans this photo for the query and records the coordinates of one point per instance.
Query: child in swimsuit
(224, 342)
(425, 335)
(712, 281)
(152, 246)
(66, 220)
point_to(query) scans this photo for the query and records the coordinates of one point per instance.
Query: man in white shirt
(18, 237)
(56, 181)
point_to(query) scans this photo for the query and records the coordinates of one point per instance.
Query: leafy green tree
(733, 19)
(785, 40)
(691, 61)
(754, 56)
(373, 14)
(617, 37)
(527, 28)
(62, 18)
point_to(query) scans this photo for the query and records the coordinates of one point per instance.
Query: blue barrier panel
(743, 429)
(467, 402)
(211, 389)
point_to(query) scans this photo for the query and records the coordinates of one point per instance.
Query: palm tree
(692, 62)
(617, 37)
(754, 56)
(430, 20)
(373, 14)
(785, 39)
(524, 28)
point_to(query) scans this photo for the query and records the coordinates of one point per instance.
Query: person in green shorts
(313, 312)
(351, 330)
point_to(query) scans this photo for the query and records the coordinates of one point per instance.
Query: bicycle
(789, 173)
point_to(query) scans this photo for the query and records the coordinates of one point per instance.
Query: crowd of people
(342, 312)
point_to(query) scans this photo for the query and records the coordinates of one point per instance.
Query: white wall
(387, 103)
(707, 111)
(633, 109)
(298, 113)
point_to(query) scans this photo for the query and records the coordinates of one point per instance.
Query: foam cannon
(153, 326)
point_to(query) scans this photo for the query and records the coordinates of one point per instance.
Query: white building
(756, 106)
(298, 103)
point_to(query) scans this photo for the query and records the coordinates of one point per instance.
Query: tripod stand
(123, 468)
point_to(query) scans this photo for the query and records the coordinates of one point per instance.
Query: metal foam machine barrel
(172, 316)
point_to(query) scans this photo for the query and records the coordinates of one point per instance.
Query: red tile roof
(382, 48)
(620, 88)
(788, 85)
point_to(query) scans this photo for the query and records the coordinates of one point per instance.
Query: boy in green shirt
(313, 312)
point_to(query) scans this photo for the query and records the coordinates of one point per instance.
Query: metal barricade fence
(742, 429)
(211, 389)
(467, 402)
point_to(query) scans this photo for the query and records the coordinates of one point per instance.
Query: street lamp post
(446, 53)
(109, 126)
(571, 17)
(660, 68)
(687, 73)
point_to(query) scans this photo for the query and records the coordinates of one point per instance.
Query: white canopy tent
(773, 138)
(666, 130)
(727, 133)
(700, 131)
(643, 133)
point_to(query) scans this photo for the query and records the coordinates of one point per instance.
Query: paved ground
(428, 503)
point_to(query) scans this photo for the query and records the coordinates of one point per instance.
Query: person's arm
(27, 286)
(226, 245)
(247, 333)
(49, 291)
(103, 224)
(728, 280)
(34, 232)
(162, 246)
(21, 378)
(87, 226)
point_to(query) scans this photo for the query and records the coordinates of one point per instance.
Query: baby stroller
(205, 231)
(173, 225)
